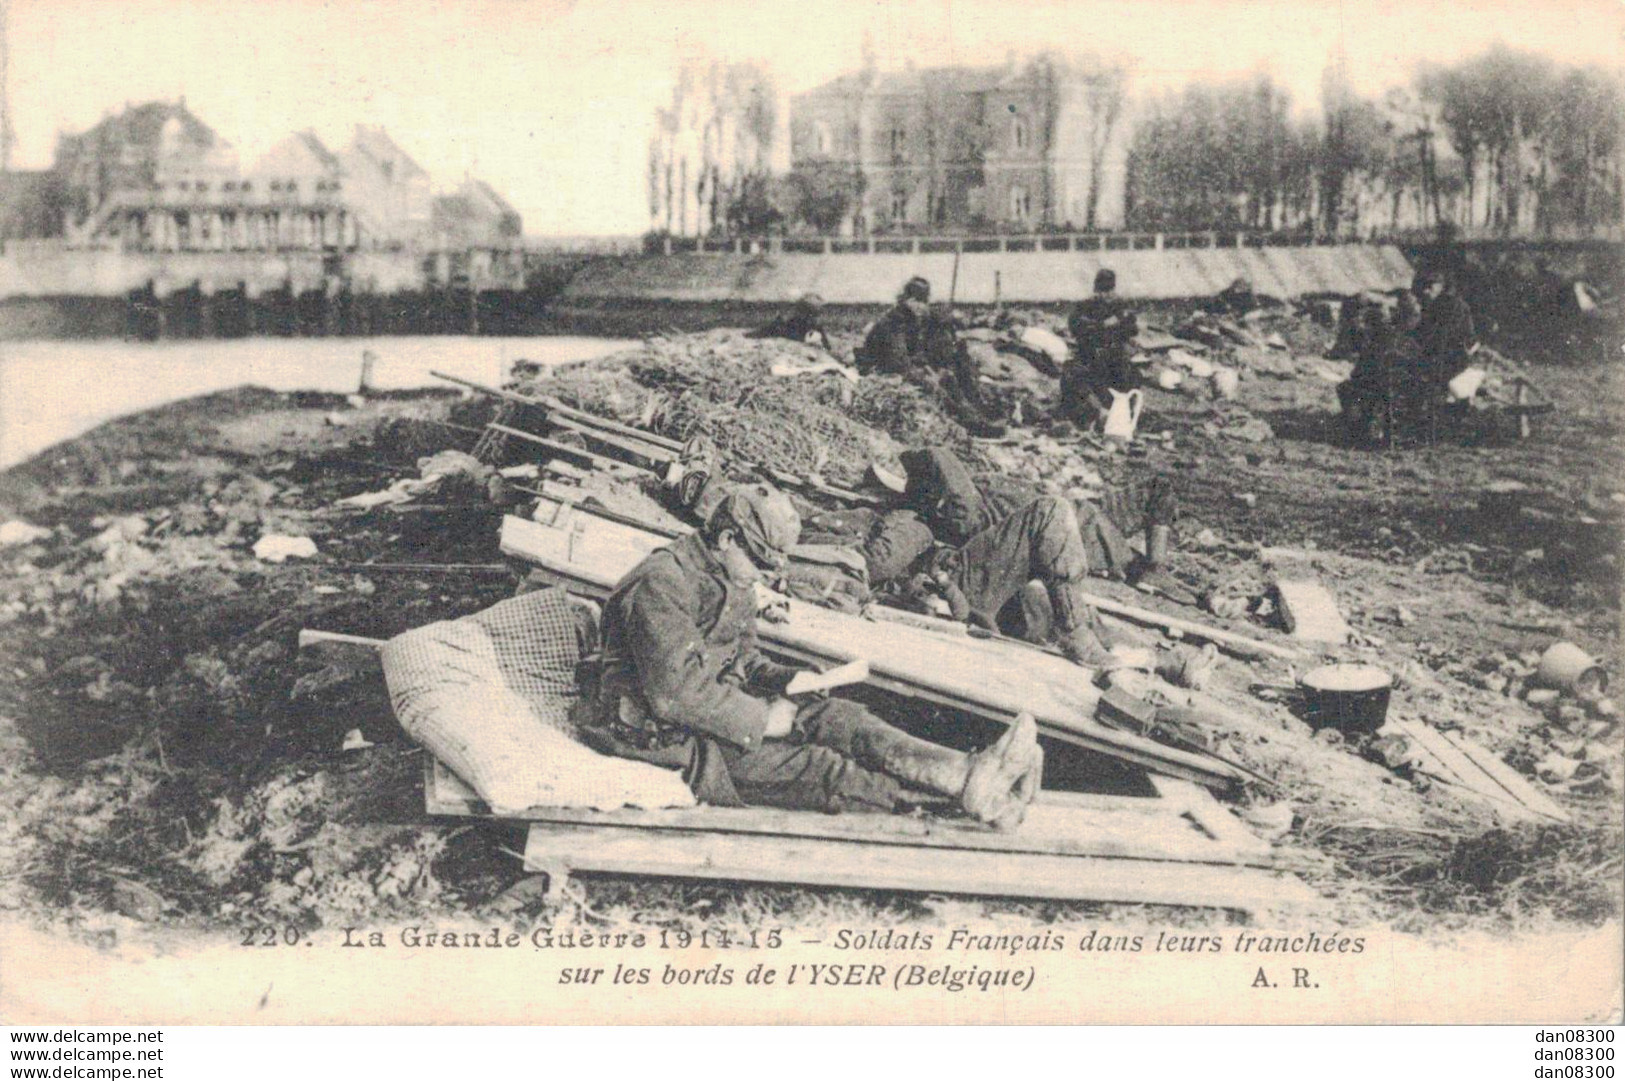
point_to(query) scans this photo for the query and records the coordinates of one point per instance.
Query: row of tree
(1502, 143)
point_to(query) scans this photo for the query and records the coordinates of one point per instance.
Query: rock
(1272, 822)
(1404, 616)
(1495, 683)
(355, 741)
(137, 901)
(276, 548)
(1569, 748)
(528, 892)
(1555, 769)
(1394, 751)
(1247, 499)
(1604, 707)
(1571, 716)
(1541, 696)
(1227, 607)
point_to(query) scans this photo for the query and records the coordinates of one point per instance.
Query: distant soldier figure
(1444, 339)
(800, 324)
(896, 344)
(923, 347)
(1103, 328)
(1366, 394)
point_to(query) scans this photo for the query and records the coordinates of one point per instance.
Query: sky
(551, 100)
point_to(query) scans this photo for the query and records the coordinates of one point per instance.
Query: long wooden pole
(547, 404)
(564, 448)
(1234, 643)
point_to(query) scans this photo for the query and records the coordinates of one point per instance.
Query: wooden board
(558, 849)
(1460, 762)
(1311, 612)
(1184, 824)
(1074, 846)
(988, 677)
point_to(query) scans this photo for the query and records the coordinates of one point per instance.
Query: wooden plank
(308, 637)
(552, 847)
(1445, 762)
(1211, 815)
(1227, 640)
(1311, 612)
(630, 445)
(551, 406)
(990, 677)
(1119, 827)
(565, 449)
(1508, 779)
(349, 649)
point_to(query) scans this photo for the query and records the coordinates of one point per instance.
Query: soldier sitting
(923, 347)
(685, 686)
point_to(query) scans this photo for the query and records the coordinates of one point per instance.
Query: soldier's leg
(1039, 541)
(802, 776)
(854, 732)
(994, 784)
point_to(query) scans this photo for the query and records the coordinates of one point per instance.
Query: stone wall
(983, 277)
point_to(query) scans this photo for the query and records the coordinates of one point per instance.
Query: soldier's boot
(1005, 777)
(1078, 627)
(993, 785)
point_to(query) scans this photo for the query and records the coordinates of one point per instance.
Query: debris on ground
(191, 775)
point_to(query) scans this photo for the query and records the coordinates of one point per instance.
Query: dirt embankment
(170, 757)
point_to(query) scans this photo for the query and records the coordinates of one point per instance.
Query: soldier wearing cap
(684, 685)
(1103, 328)
(924, 347)
(896, 344)
(1444, 334)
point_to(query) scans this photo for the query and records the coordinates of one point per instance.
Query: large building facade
(723, 130)
(1039, 144)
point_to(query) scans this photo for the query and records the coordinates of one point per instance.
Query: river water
(55, 390)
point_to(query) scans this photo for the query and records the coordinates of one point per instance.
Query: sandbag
(490, 695)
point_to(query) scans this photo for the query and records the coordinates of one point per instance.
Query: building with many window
(1019, 146)
(722, 131)
(156, 178)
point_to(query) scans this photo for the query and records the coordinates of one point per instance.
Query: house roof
(318, 149)
(143, 125)
(937, 80)
(491, 196)
(372, 141)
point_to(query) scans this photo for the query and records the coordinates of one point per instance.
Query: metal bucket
(1353, 698)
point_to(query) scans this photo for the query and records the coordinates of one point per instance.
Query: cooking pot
(1353, 698)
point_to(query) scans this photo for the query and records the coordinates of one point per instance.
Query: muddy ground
(170, 759)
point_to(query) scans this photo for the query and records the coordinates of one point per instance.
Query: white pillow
(453, 694)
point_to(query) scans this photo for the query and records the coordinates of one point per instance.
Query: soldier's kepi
(685, 686)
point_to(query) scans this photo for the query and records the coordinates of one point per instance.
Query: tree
(1105, 92)
(823, 194)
